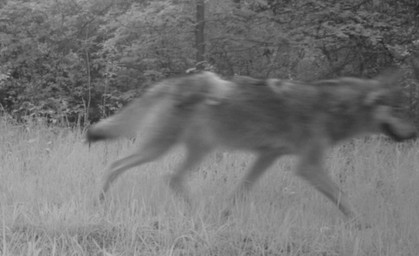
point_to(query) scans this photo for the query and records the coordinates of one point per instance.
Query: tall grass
(49, 182)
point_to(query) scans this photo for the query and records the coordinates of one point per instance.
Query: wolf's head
(385, 102)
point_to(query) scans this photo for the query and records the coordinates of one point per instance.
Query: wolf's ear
(389, 77)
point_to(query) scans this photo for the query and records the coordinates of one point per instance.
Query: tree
(200, 30)
(82, 60)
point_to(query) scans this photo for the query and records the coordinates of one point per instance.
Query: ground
(50, 181)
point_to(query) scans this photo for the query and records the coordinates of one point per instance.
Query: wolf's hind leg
(195, 153)
(259, 167)
(148, 152)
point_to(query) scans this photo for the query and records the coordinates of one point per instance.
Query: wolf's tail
(181, 93)
(126, 122)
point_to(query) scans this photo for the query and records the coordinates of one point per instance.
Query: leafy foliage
(78, 61)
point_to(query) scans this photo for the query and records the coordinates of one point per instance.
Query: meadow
(50, 181)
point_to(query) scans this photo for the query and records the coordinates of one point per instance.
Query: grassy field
(49, 182)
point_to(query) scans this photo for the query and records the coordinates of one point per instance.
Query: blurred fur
(269, 118)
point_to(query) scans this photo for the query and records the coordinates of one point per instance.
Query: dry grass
(49, 181)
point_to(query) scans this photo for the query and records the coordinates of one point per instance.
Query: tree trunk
(199, 30)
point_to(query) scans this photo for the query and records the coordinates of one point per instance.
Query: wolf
(267, 117)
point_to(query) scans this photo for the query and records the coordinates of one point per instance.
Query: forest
(77, 61)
